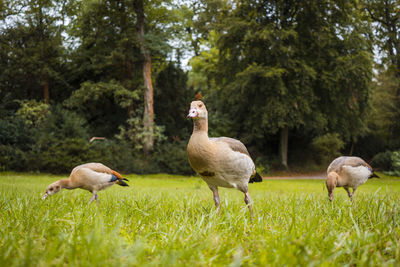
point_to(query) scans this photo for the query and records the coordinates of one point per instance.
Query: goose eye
(200, 105)
(51, 189)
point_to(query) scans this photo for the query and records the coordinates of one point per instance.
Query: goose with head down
(220, 162)
(348, 172)
(93, 177)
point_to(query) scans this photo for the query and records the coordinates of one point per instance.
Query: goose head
(52, 189)
(197, 110)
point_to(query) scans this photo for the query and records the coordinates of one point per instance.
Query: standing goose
(221, 161)
(93, 177)
(348, 172)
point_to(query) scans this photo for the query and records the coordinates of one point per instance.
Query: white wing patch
(233, 169)
(94, 180)
(357, 175)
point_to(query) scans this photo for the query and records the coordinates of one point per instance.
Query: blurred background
(299, 82)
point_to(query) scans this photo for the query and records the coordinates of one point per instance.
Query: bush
(263, 165)
(326, 147)
(396, 163)
(12, 158)
(115, 154)
(15, 139)
(172, 158)
(63, 155)
(60, 156)
(60, 141)
(13, 131)
(382, 161)
(388, 161)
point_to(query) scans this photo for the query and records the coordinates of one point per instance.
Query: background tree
(385, 119)
(386, 15)
(148, 114)
(32, 54)
(106, 64)
(293, 80)
(286, 65)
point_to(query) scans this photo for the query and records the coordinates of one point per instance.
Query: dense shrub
(12, 158)
(395, 163)
(59, 156)
(388, 161)
(60, 141)
(13, 131)
(369, 146)
(172, 158)
(15, 139)
(115, 154)
(326, 147)
(263, 164)
(382, 161)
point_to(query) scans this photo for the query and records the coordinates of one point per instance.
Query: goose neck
(200, 125)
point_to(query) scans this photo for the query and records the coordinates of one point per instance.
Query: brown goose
(93, 177)
(219, 161)
(348, 172)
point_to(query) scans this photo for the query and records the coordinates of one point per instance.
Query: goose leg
(247, 199)
(94, 197)
(349, 193)
(352, 194)
(330, 194)
(216, 197)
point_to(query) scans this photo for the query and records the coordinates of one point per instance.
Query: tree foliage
(287, 76)
(300, 65)
(32, 51)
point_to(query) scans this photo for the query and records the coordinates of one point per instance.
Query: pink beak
(193, 113)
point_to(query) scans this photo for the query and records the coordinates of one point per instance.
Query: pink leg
(94, 197)
(247, 199)
(216, 197)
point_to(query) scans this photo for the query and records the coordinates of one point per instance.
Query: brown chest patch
(207, 174)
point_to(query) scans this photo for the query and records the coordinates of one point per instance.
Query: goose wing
(98, 167)
(234, 144)
(338, 163)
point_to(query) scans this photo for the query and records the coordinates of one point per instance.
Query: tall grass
(171, 220)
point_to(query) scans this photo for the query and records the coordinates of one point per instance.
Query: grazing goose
(93, 177)
(221, 161)
(348, 172)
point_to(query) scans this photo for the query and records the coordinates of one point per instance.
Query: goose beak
(376, 176)
(373, 175)
(45, 196)
(193, 113)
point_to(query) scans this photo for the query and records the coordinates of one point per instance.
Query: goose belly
(356, 176)
(103, 186)
(96, 186)
(232, 171)
(92, 180)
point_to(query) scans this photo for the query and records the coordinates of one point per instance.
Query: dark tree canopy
(293, 80)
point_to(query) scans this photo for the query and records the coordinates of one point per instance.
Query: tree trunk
(46, 94)
(148, 115)
(283, 149)
(351, 148)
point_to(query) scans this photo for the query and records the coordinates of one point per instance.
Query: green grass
(170, 220)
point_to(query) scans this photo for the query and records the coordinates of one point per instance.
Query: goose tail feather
(256, 178)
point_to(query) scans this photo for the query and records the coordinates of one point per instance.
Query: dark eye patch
(200, 105)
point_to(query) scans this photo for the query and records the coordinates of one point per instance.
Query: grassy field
(164, 220)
